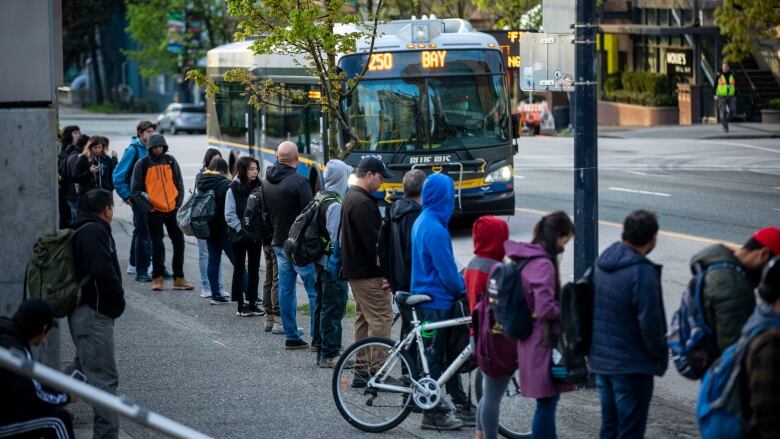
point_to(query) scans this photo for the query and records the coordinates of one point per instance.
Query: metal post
(585, 142)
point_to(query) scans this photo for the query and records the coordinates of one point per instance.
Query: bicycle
(376, 384)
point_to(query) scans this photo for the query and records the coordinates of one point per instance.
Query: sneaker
(440, 421)
(467, 414)
(131, 269)
(181, 283)
(167, 274)
(255, 310)
(243, 311)
(328, 363)
(225, 294)
(277, 329)
(219, 301)
(158, 283)
(291, 345)
(143, 278)
(206, 294)
(269, 325)
(314, 347)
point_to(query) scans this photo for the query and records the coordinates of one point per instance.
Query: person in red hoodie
(489, 234)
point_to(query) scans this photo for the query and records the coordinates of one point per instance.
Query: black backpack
(507, 300)
(252, 221)
(305, 243)
(204, 208)
(568, 364)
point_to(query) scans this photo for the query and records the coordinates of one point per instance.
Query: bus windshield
(433, 113)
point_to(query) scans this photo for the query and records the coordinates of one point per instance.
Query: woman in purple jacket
(542, 287)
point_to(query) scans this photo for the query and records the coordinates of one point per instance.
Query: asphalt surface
(219, 373)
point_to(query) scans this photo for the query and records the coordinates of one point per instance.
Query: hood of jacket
(10, 335)
(522, 250)
(336, 176)
(712, 254)
(489, 234)
(278, 172)
(618, 256)
(438, 197)
(88, 217)
(210, 180)
(761, 314)
(403, 207)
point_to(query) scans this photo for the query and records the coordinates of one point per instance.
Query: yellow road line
(660, 232)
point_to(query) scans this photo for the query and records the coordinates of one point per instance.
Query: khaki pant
(374, 312)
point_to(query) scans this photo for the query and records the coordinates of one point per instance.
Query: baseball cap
(769, 237)
(373, 164)
(32, 315)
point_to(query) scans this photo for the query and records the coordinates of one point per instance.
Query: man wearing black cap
(27, 408)
(360, 221)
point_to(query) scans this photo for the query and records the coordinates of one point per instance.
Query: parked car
(182, 117)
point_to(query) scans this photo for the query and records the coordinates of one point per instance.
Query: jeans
(625, 401)
(288, 301)
(331, 307)
(727, 106)
(93, 336)
(493, 390)
(436, 354)
(156, 223)
(203, 264)
(250, 277)
(543, 424)
(270, 285)
(216, 247)
(74, 208)
(141, 244)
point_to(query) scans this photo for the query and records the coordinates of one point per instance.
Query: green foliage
(641, 88)
(774, 104)
(745, 22)
(507, 12)
(612, 82)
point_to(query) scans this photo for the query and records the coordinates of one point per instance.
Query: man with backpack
(158, 190)
(331, 287)
(629, 326)
(102, 301)
(435, 273)
(140, 245)
(285, 194)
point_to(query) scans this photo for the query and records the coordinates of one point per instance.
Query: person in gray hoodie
(330, 287)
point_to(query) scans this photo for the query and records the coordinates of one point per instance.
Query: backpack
(305, 243)
(252, 221)
(692, 341)
(203, 210)
(183, 216)
(507, 300)
(384, 243)
(719, 405)
(568, 364)
(51, 273)
(493, 352)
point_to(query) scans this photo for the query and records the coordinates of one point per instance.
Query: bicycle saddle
(411, 299)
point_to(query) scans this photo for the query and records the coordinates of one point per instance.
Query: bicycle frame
(415, 336)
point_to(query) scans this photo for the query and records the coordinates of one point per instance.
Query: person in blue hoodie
(629, 328)
(435, 273)
(141, 244)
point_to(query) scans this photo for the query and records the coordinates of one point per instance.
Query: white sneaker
(206, 294)
(131, 269)
(225, 294)
(277, 329)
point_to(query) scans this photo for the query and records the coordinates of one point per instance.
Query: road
(220, 374)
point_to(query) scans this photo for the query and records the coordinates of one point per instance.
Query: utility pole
(586, 241)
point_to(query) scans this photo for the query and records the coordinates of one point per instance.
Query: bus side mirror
(516, 128)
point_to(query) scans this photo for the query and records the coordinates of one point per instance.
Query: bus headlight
(352, 180)
(500, 174)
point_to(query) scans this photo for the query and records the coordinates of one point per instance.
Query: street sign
(547, 62)
(558, 16)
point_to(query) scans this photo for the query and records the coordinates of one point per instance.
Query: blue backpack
(692, 341)
(719, 407)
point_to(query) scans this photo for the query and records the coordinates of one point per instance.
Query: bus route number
(380, 61)
(433, 59)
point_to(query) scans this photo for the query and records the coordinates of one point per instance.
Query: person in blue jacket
(435, 273)
(140, 246)
(629, 328)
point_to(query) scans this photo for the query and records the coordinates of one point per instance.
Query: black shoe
(143, 278)
(219, 301)
(292, 345)
(255, 310)
(167, 274)
(467, 414)
(440, 421)
(243, 311)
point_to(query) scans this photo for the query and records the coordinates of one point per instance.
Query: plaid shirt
(762, 398)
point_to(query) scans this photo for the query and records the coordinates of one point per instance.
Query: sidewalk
(747, 130)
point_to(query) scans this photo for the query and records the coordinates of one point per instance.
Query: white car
(182, 117)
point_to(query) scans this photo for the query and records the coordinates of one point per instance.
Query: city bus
(433, 97)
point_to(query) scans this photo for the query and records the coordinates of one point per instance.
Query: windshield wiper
(415, 133)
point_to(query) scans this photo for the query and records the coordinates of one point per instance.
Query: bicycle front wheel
(365, 407)
(516, 412)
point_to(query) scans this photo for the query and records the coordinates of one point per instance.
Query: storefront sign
(679, 62)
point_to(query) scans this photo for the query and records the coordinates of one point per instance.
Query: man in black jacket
(102, 301)
(360, 222)
(27, 408)
(285, 194)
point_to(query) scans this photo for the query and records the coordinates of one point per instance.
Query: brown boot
(180, 283)
(158, 283)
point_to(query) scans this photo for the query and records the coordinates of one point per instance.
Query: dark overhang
(645, 29)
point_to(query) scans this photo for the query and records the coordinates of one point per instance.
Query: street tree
(508, 13)
(315, 31)
(174, 35)
(745, 23)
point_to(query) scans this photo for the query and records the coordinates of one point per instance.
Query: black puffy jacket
(210, 180)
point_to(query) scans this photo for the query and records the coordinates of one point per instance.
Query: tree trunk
(93, 53)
